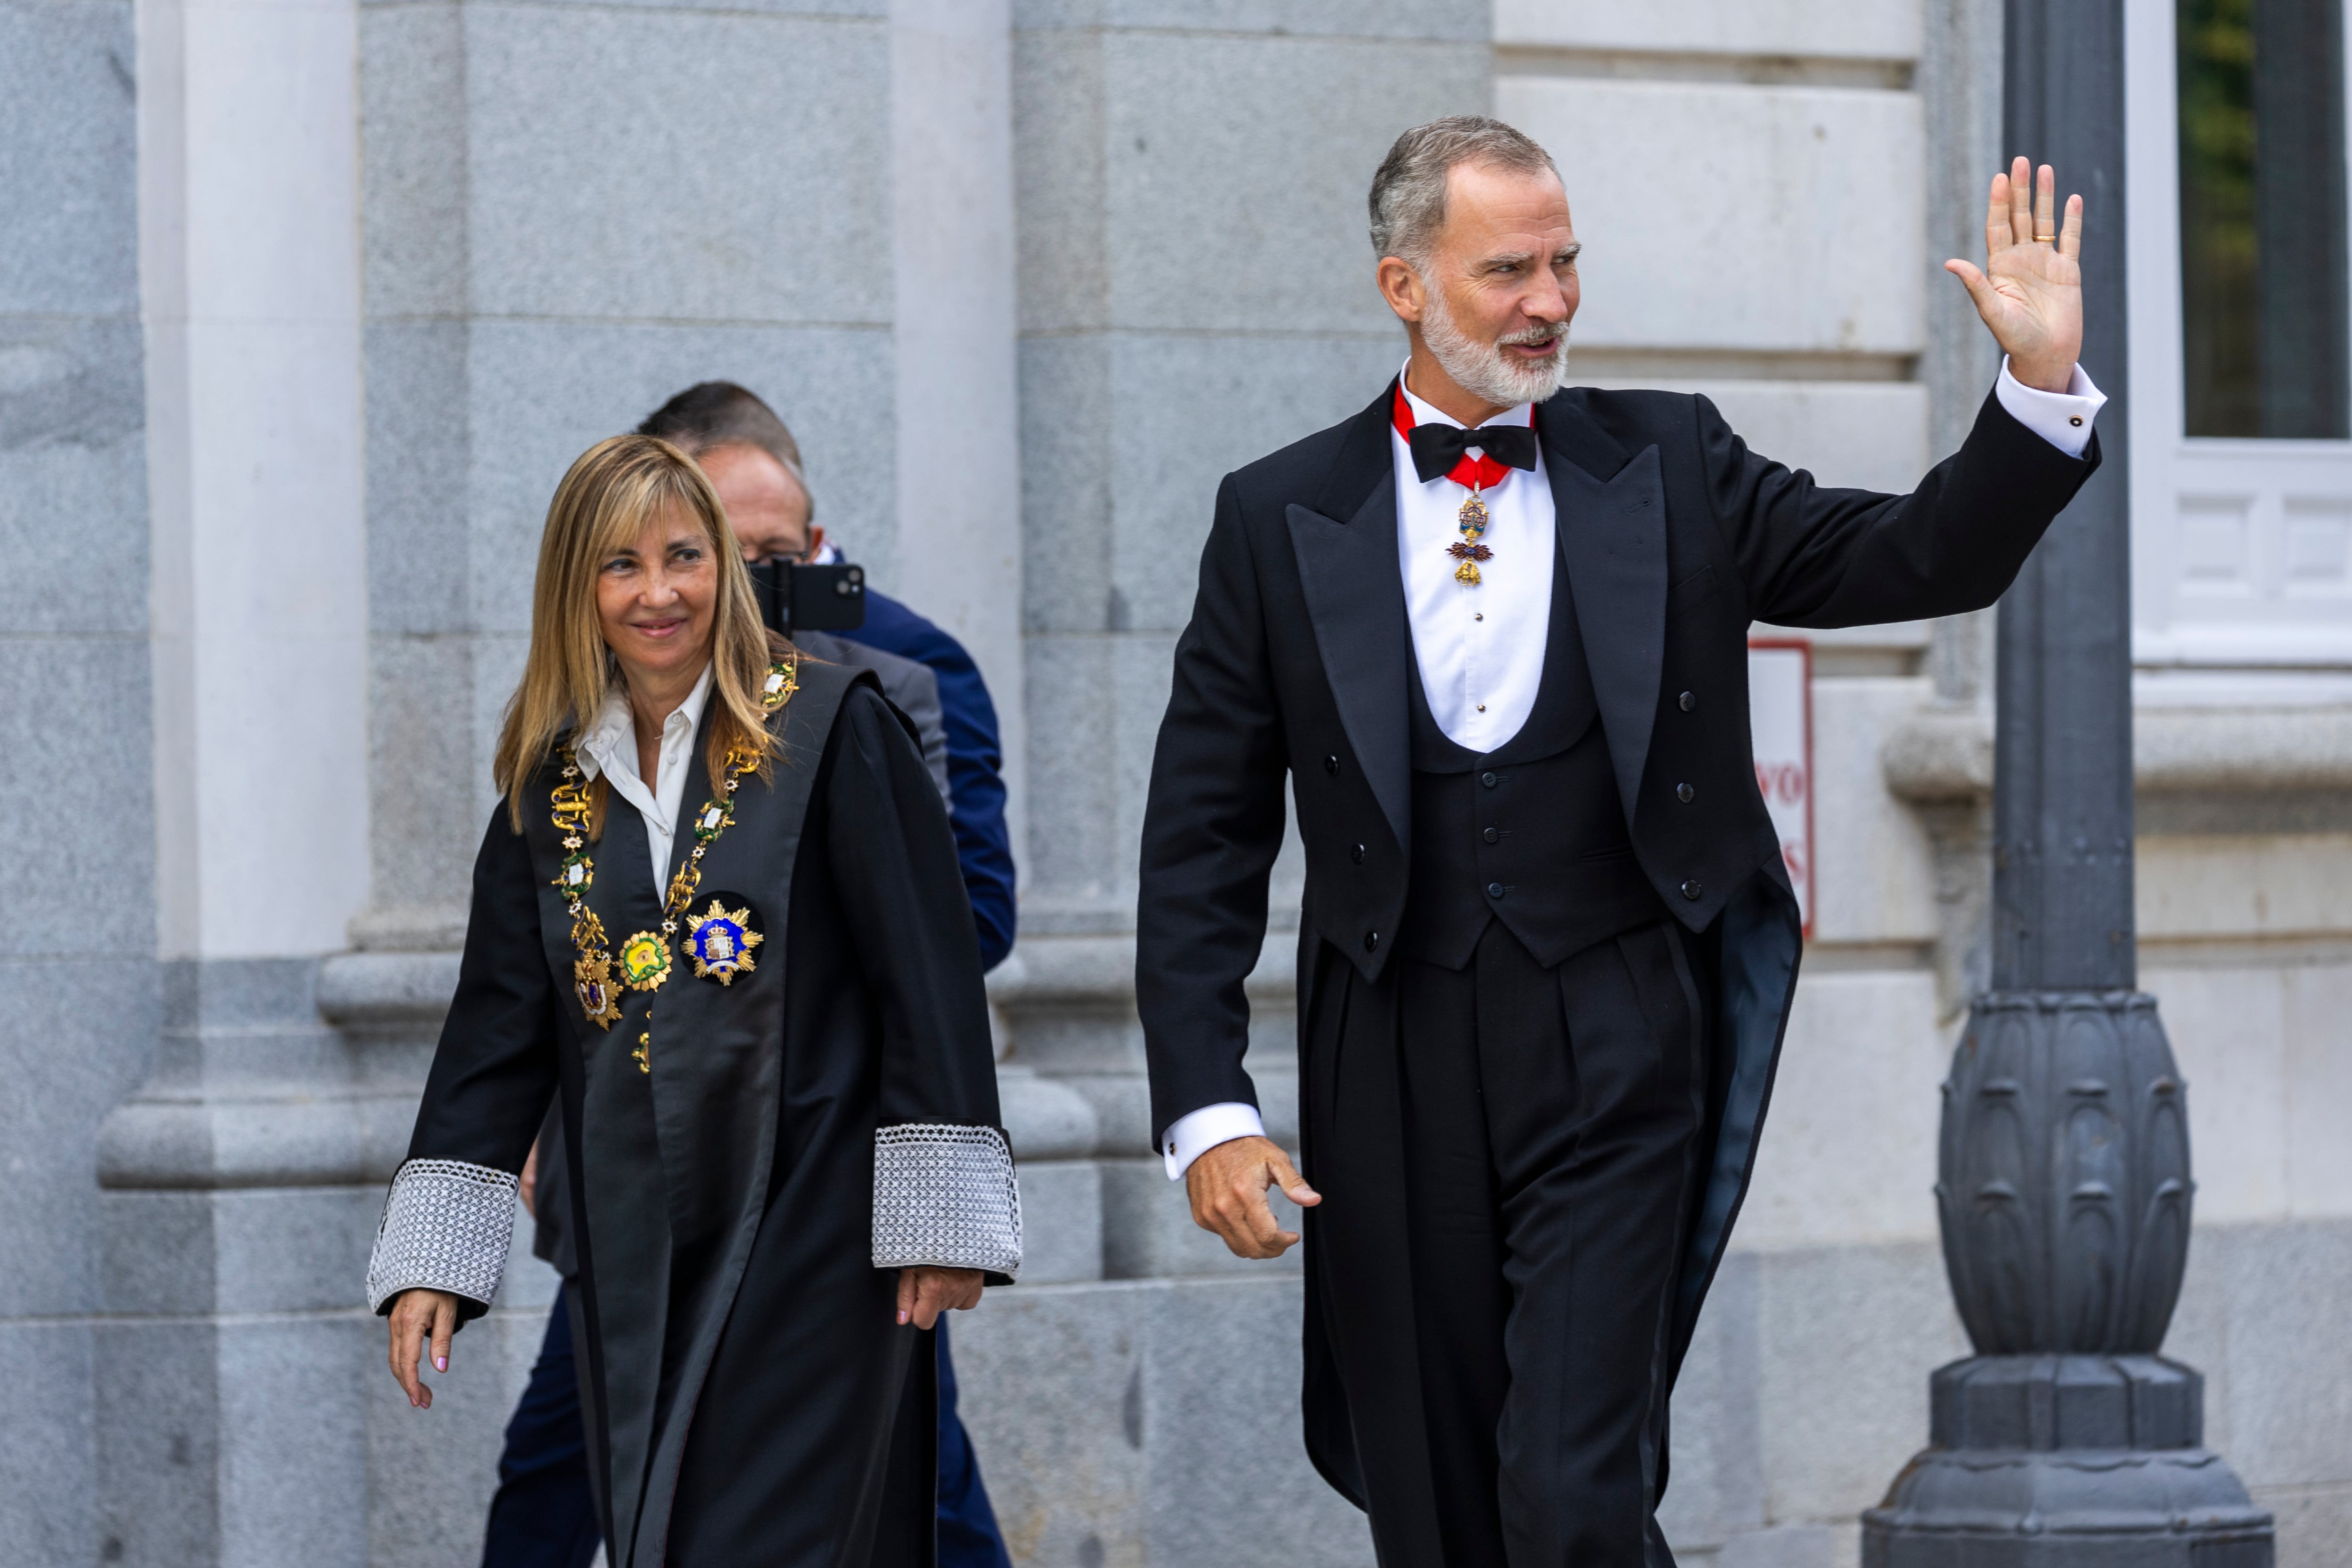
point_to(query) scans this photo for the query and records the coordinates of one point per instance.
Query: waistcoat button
(1685, 793)
(1687, 701)
(1494, 890)
(1357, 854)
(1493, 835)
(1691, 889)
(1372, 941)
(1486, 779)
(1331, 765)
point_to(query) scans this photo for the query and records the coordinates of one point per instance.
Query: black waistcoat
(1532, 833)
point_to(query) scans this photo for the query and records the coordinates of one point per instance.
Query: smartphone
(810, 598)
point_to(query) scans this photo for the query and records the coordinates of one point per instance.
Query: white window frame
(2241, 550)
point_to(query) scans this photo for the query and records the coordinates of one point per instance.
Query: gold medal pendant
(645, 961)
(1467, 549)
(591, 978)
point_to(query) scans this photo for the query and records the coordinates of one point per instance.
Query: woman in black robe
(772, 1053)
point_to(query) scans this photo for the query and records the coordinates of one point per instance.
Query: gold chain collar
(646, 960)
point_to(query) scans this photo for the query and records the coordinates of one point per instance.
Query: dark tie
(1438, 449)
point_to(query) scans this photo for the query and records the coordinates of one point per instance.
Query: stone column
(77, 857)
(2064, 1188)
(230, 1399)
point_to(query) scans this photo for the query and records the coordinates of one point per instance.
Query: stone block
(1716, 1480)
(1826, 180)
(68, 191)
(1859, 435)
(159, 1442)
(72, 421)
(49, 1471)
(1188, 120)
(1230, 1480)
(1848, 1336)
(1849, 1151)
(1061, 1221)
(2315, 1524)
(2318, 1105)
(420, 468)
(2227, 1026)
(1874, 865)
(426, 772)
(1049, 1381)
(82, 1036)
(81, 784)
(543, 391)
(747, 153)
(2290, 1382)
(292, 1474)
(1452, 20)
(2284, 885)
(1872, 30)
(413, 142)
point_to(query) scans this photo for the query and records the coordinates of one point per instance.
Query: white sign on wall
(1781, 722)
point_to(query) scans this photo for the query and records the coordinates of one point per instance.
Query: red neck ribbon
(1478, 473)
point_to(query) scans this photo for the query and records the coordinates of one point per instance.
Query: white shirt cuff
(2062, 419)
(1191, 1135)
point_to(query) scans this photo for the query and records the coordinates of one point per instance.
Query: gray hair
(1408, 200)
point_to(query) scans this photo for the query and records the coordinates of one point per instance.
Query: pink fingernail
(441, 1363)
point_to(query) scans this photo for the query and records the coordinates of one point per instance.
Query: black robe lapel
(1612, 537)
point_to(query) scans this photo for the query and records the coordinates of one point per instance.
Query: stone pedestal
(2067, 1460)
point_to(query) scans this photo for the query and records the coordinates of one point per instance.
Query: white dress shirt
(610, 748)
(1481, 649)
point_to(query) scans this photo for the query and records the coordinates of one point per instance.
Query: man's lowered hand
(1227, 1184)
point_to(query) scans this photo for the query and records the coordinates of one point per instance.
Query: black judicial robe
(1675, 538)
(752, 1398)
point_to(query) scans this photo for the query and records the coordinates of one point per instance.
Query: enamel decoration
(1467, 549)
(645, 961)
(721, 939)
(591, 978)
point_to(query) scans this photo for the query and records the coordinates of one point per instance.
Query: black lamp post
(2064, 1186)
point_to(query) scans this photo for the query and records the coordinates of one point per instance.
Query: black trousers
(1508, 1160)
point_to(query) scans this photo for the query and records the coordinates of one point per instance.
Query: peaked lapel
(1612, 537)
(1355, 601)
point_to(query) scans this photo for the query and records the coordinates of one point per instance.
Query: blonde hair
(616, 489)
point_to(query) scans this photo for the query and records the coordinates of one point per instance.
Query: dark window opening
(2263, 285)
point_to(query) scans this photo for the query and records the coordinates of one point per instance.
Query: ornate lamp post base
(2039, 1462)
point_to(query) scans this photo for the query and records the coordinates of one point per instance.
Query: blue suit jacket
(975, 763)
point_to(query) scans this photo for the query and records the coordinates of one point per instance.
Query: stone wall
(78, 919)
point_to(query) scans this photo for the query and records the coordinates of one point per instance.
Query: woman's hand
(417, 1315)
(924, 1293)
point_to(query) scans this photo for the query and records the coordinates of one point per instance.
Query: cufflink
(2074, 419)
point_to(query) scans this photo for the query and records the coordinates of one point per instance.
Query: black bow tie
(1436, 449)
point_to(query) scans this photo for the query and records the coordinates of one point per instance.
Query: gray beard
(1482, 370)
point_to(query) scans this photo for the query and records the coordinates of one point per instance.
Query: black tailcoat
(1675, 538)
(753, 1397)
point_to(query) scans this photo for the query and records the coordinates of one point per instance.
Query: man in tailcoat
(1494, 632)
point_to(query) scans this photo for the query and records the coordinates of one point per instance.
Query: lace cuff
(946, 1196)
(447, 1226)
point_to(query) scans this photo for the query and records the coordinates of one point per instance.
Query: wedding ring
(2040, 238)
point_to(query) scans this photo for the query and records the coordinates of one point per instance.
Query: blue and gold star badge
(720, 939)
